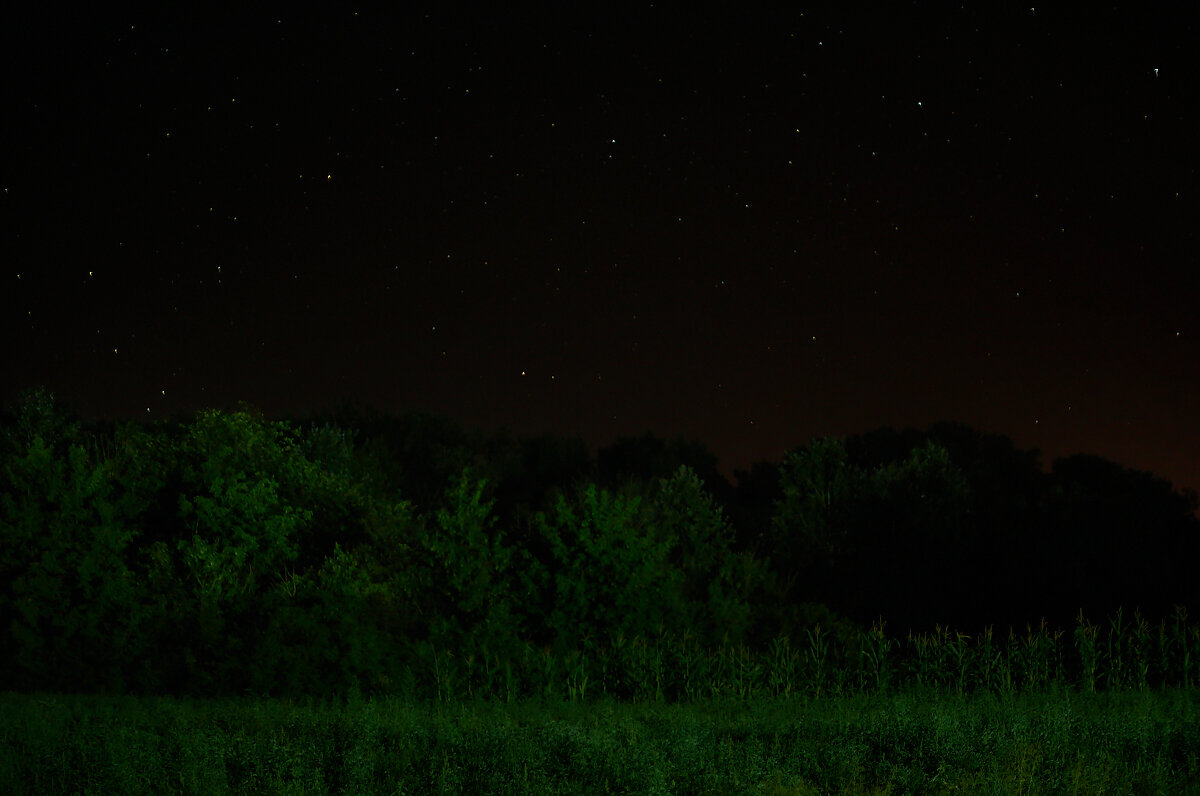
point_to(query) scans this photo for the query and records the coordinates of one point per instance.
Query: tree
(37, 414)
(642, 462)
(65, 585)
(752, 505)
(717, 585)
(814, 481)
(471, 572)
(1113, 536)
(606, 574)
(904, 526)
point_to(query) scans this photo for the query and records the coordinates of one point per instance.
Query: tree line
(225, 552)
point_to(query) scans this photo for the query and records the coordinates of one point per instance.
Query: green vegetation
(260, 606)
(227, 554)
(919, 743)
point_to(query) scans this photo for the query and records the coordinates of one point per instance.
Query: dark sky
(745, 228)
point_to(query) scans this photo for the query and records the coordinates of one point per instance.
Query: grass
(1120, 654)
(916, 741)
(1108, 708)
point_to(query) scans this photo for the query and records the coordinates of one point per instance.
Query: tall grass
(919, 743)
(1107, 707)
(1122, 653)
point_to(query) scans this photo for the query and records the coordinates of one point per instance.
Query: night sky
(745, 228)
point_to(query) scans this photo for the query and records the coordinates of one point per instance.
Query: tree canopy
(227, 552)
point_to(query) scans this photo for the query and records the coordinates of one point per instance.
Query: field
(229, 604)
(909, 742)
(1105, 709)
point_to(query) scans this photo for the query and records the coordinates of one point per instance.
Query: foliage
(37, 414)
(227, 554)
(608, 573)
(839, 525)
(908, 519)
(65, 585)
(815, 481)
(473, 573)
(718, 587)
(918, 742)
